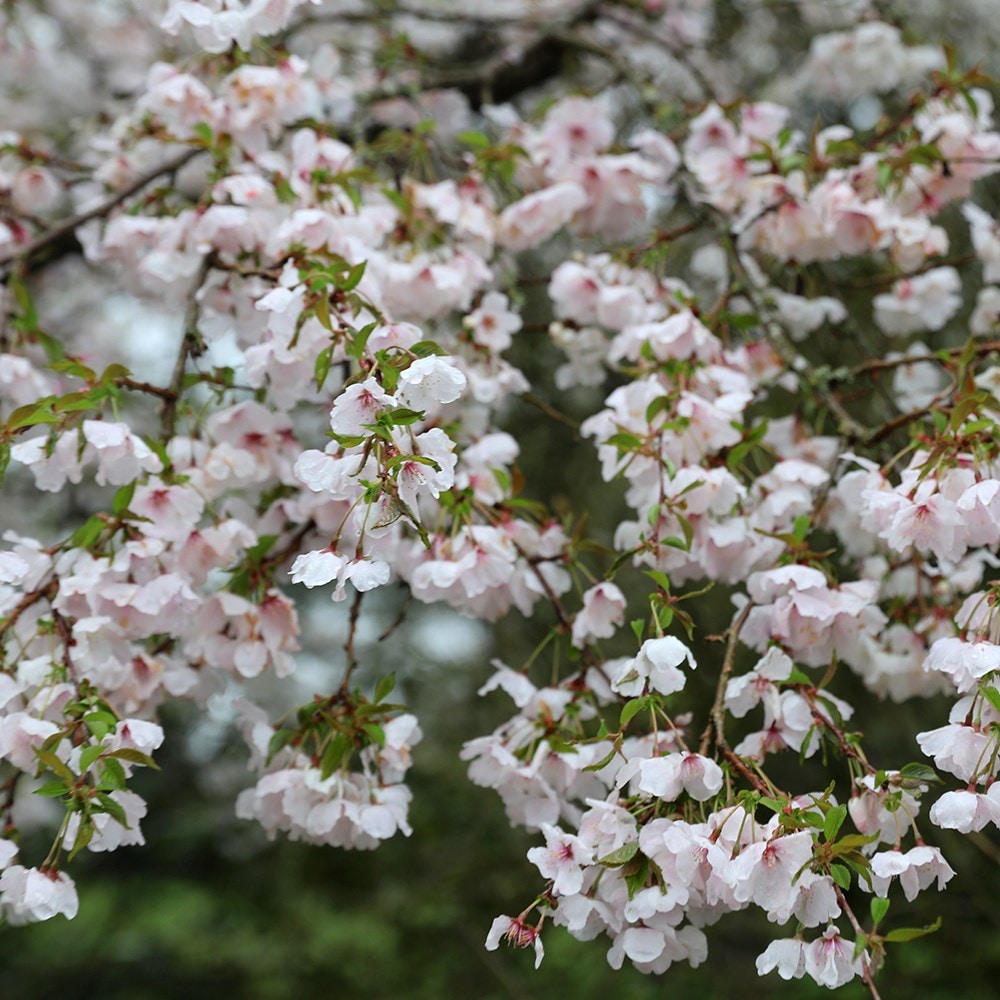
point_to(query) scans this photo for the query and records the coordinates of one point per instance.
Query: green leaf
(636, 879)
(834, 820)
(55, 765)
(4, 459)
(322, 368)
(31, 414)
(322, 310)
(631, 709)
(991, 694)
(861, 866)
(84, 835)
(100, 723)
(658, 406)
(675, 543)
(134, 757)
(879, 908)
(74, 402)
(375, 733)
(919, 772)
(385, 687)
(353, 277)
(841, 875)
(123, 498)
(88, 755)
(88, 532)
(76, 368)
(333, 755)
(113, 809)
(280, 739)
(855, 840)
(427, 348)
(884, 176)
(736, 455)
(52, 789)
(775, 805)
(112, 776)
(402, 417)
(624, 442)
(114, 372)
(603, 762)
(475, 139)
(911, 933)
(203, 131)
(622, 856)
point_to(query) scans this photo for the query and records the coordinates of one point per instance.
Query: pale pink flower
(428, 382)
(536, 217)
(830, 960)
(787, 956)
(916, 870)
(562, 859)
(517, 933)
(602, 612)
(357, 405)
(32, 894)
(967, 812)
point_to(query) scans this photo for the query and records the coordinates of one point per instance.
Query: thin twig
(190, 342)
(717, 716)
(549, 410)
(352, 630)
(880, 433)
(866, 972)
(876, 365)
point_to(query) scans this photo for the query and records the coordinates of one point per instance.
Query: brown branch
(844, 745)
(400, 618)
(887, 429)
(276, 558)
(66, 228)
(866, 971)
(884, 280)
(876, 365)
(549, 410)
(506, 72)
(32, 597)
(190, 344)
(380, 13)
(778, 339)
(352, 629)
(146, 387)
(644, 31)
(717, 717)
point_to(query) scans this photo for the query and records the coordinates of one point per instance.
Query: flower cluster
(368, 268)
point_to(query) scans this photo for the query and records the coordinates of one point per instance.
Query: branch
(508, 71)
(717, 716)
(876, 365)
(190, 344)
(352, 629)
(66, 228)
(645, 31)
(881, 433)
(866, 971)
(381, 13)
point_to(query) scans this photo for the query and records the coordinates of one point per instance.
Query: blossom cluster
(360, 258)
